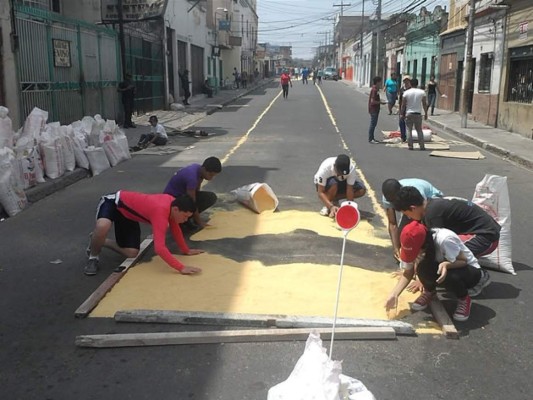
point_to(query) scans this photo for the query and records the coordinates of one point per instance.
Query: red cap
(412, 239)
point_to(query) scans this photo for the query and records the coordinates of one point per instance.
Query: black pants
(128, 111)
(147, 137)
(204, 200)
(285, 90)
(458, 280)
(186, 95)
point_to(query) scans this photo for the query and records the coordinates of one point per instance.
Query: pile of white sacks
(40, 149)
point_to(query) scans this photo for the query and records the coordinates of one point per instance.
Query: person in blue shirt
(390, 189)
(391, 90)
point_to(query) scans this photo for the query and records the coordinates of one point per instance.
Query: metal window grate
(485, 72)
(520, 84)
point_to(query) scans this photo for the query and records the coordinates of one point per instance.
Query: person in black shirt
(127, 89)
(432, 93)
(184, 78)
(477, 229)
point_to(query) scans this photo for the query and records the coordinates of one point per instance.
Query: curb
(492, 148)
(49, 187)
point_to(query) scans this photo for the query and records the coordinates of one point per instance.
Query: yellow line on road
(373, 197)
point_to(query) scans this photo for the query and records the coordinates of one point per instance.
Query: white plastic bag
(97, 159)
(316, 377)
(12, 196)
(492, 195)
(258, 197)
(6, 129)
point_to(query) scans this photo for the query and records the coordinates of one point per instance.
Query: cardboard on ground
(249, 287)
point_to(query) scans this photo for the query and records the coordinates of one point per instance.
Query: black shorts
(341, 185)
(127, 232)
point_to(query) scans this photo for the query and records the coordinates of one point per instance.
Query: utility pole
(325, 47)
(121, 37)
(341, 42)
(361, 77)
(379, 39)
(467, 83)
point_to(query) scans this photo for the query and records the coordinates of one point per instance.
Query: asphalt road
(282, 142)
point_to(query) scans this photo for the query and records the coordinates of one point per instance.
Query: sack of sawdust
(427, 133)
(258, 197)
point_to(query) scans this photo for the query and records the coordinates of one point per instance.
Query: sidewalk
(508, 145)
(200, 107)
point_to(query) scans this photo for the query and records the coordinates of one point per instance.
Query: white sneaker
(484, 281)
(324, 211)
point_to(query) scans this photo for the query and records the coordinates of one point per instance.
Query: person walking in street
(440, 259)
(125, 210)
(127, 90)
(244, 79)
(401, 121)
(184, 78)
(391, 91)
(413, 104)
(285, 81)
(188, 180)
(305, 75)
(157, 136)
(336, 179)
(315, 73)
(432, 88)
(236, 78)
(374, 104)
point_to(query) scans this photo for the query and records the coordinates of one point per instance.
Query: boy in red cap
(440, 259)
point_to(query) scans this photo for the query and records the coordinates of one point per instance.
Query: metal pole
(361, 46)
(379, 66)
(121, 37)
(467, 83)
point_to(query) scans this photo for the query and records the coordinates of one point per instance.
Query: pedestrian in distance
(401, 121)
(414, 103)
(157, 136)
(390, 189)
(244, 79)
(188, 180)
(127, 90)
(336, 179)
(305, 75)
(441, 259)
(207, 89)
(236, 78)
(184, 78)
(391, 91)
(285, 81)
(374, 104)
(125, 210)
(315, 73)
(432, 89)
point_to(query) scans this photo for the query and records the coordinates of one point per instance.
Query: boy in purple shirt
(188, 180)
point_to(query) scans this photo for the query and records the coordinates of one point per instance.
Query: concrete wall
(514, 116)
(86, 10)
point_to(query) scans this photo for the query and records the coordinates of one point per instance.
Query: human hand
(397, 254)
(397, 273)
(194, 252)
(415, 286)
(333, 211)
(442, 271)
(392, 302)
(190, 270)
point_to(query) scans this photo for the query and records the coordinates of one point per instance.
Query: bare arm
(404, 280)
(394, 232)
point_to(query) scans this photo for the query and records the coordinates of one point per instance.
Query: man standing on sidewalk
(184, 78)
(413, 103)
(374, 103)
(401, 121)
(127, 89)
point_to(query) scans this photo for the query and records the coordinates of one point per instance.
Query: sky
(303, 24)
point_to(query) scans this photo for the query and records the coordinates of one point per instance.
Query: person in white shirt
(414, 102)
(336, 179)
(157, 136)
(440, 258)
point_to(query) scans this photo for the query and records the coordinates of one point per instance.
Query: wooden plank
(93, 300)
(253, 320)
(443, 319)
(232, 336)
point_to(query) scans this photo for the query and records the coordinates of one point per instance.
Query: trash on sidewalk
(159, 150)
(466, 155)
(317, 377)
(258, 197)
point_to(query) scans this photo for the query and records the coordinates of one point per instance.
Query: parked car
(331, 73)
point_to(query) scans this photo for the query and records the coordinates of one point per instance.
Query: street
(260, 138)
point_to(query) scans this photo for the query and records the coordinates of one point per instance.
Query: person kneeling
(157, 136)
(207, 89)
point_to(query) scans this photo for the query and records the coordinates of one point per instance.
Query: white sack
(428, 135)
(492, 195)
(122, 140)
(78, 144)
(68, 149)
(94, 136)
(28, 168)
(316, 377)
(113, 150)
(258, 197)
(12, 196)
(6, 129)
(97, 159)
(35, 123)
(52, 151)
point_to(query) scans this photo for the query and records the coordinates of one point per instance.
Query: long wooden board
(443, 319)
(93, 300)
(253, 320)
(233, 336)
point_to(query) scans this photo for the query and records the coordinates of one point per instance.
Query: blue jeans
(431, 101)
(403, 130)
(373, 124)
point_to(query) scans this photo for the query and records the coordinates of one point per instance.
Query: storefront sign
(522, 30)
(61, 53)
(133, 10)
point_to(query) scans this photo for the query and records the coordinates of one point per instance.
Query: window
(408, 67)
(485, 72)
(415, 67)
(423, 72)
(520, 78)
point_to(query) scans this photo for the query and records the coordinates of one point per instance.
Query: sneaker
(92, 267)
(373, 141)
(422, 302)
(484, 281)
(462, 312)
(88, 249)
(324, 211)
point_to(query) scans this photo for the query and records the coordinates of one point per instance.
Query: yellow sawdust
(242, 222)
(252, 288)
